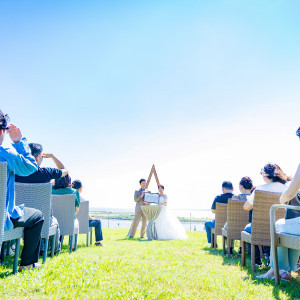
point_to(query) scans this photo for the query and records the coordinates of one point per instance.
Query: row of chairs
(38, 195)
(266, 211)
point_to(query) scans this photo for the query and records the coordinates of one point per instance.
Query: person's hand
(48, 155)
(143, 194)
(14, 133)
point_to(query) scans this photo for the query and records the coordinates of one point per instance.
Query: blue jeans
(98, 229)
(266, 249)
(208, 226)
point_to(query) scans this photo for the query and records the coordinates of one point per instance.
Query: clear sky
(206, 90)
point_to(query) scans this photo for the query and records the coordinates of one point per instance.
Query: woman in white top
(275, 181)
(167, 225)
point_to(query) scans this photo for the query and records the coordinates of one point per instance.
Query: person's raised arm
(57, 162)
(20, 161)
(293, 188)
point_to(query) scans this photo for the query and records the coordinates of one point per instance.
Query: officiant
(139, 199)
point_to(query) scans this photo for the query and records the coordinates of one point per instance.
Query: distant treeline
(130, 217)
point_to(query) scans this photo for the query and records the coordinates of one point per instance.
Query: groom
(139, 199)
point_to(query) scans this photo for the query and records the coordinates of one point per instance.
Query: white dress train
(168, 226)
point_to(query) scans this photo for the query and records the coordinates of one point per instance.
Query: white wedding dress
(168, 226)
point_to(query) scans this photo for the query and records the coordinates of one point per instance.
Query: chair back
(63, 207)
(263, 201)
(237, 219)
(83, 217)
(221, 217)
(3, 191)
(38, 196)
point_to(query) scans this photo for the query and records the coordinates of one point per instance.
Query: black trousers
(32, 221)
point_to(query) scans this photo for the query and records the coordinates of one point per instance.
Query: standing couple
(167, 225)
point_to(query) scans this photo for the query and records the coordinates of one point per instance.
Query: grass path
(141, 269)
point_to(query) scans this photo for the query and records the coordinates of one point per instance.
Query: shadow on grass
(6, 268)
(134, 240)
(291, 289)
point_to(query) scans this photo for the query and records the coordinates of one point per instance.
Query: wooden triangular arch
(153, 171)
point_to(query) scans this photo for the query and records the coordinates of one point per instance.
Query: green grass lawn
(139, 269)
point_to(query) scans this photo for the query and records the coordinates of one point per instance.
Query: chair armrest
(272, 214)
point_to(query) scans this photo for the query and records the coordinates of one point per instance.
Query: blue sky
(206, 90)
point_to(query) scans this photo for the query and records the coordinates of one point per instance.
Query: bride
(167, 225)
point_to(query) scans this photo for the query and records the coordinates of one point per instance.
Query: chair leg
(215, 241)
(7, 248)
(243, 246)
(91, 237)
(228, 247)
(87, 239)
(211, 239)
(71, 243)
(62, 241)
(253, 257)
(53, 244)
(17, 251)
(275, 264)
(223, 243)
(2, 252)
(45, 250)
(76, 240)
(261, 252)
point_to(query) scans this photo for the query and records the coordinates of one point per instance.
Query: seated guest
(63, 186)
(287, 258)
(20, 162)
(246, 188)
(93, 222)
(275, 181)
(227, 190)
(43, 175)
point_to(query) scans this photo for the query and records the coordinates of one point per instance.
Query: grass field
(141, 269)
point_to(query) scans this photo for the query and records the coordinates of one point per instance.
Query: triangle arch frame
(153, 171)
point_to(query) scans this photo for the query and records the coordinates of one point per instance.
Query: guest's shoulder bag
(291, 213)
